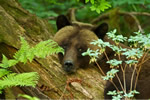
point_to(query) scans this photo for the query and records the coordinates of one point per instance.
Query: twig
(105, 75)
(100, 68)
(141, 13)
(120, 82)
(106, 56)
(132, 77)
(135, 19)
(123, 70)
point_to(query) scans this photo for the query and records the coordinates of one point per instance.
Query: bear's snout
(69, 66)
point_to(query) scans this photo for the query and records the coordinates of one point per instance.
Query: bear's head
(75, 39)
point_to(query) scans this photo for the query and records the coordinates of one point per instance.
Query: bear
(75, 39)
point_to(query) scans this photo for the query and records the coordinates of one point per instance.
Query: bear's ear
(62, 21)
(101, 30)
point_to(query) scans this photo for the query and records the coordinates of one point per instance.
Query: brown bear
(75, 39)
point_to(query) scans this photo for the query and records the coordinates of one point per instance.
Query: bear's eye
(81, 50)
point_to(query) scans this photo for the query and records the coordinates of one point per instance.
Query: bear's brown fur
(75, 39)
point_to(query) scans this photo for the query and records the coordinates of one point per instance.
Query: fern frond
(24, 79)
(4, 72)
(7, 63)
(48, 47)
(41, 50)
(22, 52)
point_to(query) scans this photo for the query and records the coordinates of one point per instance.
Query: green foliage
(28, 97)
(129, 62)
(117, 49)
(41, 50)
(98, 5)
(133, 53)
(25, 53)
(140, 39)
(100, 44)
(117, 38)
(24, 79)
(131, 94)
(116, 95)
(110, 74)
(4, 72)
(133, 56)
(119, 95)
(114, 62)
(129, 2)
(49, 9)
(92, 53)
(39, 7)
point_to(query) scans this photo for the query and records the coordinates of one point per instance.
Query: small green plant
(134, 57)
(98, 5)
(24, 54)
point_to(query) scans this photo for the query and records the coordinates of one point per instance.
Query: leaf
(117, 38)
(114, 62)
(133, 53)
(22, 52)
(131, 62)
(112, 92)
(4, 63)
(40, 50)
(110, 74)
(92, 1)
(118, 97)
(99, 5)
(7, 63)
(86, 1)
(4, 72)
(24, 79)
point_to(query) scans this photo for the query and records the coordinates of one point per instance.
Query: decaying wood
(16, 22)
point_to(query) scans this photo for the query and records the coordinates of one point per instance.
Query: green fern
(21, 55)
(7, 63)
(24, 54)
(41, 50)
(24, 79)
(4, 72)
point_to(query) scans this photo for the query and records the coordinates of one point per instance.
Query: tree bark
(54, 83)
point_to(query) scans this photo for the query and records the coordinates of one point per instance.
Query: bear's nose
(68, 66)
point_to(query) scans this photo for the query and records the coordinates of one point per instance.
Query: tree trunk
(16, 22)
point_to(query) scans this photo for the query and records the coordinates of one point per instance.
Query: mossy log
(16, 22)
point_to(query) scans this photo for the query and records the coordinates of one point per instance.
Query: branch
(140, 13)
(135, 19)
(105, 16)
(72, 18)
(71, 14)
(51, 18)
